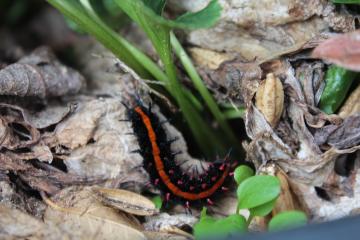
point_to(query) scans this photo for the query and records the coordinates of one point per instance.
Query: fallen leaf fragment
(343, 50)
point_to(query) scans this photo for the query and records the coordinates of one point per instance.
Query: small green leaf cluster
(258, 194)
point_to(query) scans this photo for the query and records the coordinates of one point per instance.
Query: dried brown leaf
(52, 114)
(287, 200)
(343, 50)
(79, 128)
(14, 131)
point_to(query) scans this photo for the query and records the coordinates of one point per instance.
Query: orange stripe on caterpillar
(165, 178)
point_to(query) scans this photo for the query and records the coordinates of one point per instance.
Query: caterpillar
(164, 172)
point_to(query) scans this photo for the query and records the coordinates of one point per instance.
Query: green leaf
(205, 223)
(230, 225)
(234, 113)
(286, 220)
(210, 227)
(156, 5)
(205, 18)
(263, 210)
(347, 1)
(338, 82)
(257, 190)
(157, 201)
(242, 172)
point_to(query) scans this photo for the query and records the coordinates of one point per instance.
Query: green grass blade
(200, 86)
(111, 40)
(234, 113)
(204, 18)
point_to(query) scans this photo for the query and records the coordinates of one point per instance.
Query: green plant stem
(238, 209)
(155, 70)
(250, 218)
(234, 113)
(200, 131)
(199, 85)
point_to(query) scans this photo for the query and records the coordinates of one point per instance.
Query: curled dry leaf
(270, 99)
(41, 75)
(311, 78)
(52, 114)
(15, 132)
(352, 104)
(126, 201)
(345, 135)
(343, 50)
(43, 177)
